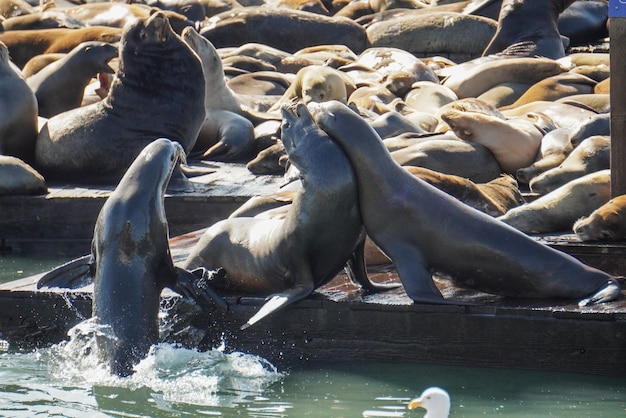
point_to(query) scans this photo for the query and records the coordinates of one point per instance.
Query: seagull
(435, 401)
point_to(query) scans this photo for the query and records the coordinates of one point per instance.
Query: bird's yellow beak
(415, 403)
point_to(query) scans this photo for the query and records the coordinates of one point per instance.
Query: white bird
(435, 401)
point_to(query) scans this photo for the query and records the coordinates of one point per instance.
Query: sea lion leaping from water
(423, 230)
(130, 262)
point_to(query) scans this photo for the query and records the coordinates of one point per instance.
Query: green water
(65, 381)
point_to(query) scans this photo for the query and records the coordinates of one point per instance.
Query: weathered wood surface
(339, 323)
(63, 220)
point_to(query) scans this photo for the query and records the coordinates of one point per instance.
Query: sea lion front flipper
(415, 276)
(196, 285)
(278, 301)
(357, 271)
(71, 275)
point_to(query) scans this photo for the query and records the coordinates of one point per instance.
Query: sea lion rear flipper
(71, 275)
(610, 291)
(195, 285)
(357, 272)
(278, 301)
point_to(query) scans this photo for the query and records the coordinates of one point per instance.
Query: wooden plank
(338, 323)
(617, 34)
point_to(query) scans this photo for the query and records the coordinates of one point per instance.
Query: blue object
(617, 8)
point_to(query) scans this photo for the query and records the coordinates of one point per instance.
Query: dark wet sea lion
(532, 22)
(158, 91)
(423, 230)
(60, 85)
(130, 262)
(319, 234)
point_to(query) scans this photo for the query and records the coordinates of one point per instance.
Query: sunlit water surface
(68, 380)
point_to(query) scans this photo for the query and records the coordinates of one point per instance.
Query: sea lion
(319, 234)
(60, 85)
(561, 114)
(555, 147)
(607, 223)
(556, 87)
(558, 210)
(298, 29)
(424, 230)
(318, 84)
(18, 118)
(224, 136)
(429, 97)
(595, 125)
(530, 22)
(514, 142)
(19, 178)
(593, 154)
(25, 44)
(424, 34)
(494, 198)
(157, 91)
(472, 79)
(451, 156)
(130, 262)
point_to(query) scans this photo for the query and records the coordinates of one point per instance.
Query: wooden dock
(338, 322)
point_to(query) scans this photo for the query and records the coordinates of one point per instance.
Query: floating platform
(338, 322)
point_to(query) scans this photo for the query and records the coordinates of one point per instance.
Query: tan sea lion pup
(607, 223)
(18, 178)
(317, 83)
(514, 142)
(558, 210)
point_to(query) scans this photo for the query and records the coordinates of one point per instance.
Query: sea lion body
(18, 111)
(157, 91)
(558, 210)
(607, 223)
(423, 230)
(307, 247)
(60, 86)
(130, 261)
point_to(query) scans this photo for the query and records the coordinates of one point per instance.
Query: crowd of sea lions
(416, 126)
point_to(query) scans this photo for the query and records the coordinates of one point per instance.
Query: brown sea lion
(556, 87)
(607, 223)
(157, 91)
(25, 44)
(494, 198)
